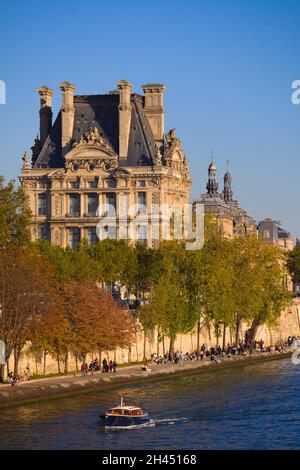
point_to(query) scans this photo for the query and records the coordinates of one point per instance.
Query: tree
(25, 281)
(116, 261)
(14, 215)
(173, 306)
(215, 277)
(293, 263)
(68, 264)
(83, 319)
(271, 271)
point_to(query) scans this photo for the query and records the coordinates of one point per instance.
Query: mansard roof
(50, 155)
(102, 112)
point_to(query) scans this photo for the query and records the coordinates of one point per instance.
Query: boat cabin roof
(126, 407)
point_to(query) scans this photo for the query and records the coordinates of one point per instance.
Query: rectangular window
(74, 184)
(111, 232)
(92, 184)
(42, 204)
(110, 200)
(92, 235)
(74, 205)
(266, 235)
(141, 202)
(74, 236)
(110, 183)
(92, 204)
(42, 185)
(141, 184)
(142, 234)
(43, 233)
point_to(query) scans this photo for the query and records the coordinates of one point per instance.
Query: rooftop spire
(227, 192)
(212, 183)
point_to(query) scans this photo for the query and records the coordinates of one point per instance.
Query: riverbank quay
(50, 388)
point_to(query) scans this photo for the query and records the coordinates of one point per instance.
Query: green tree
(14, 215)
(115, 262)
(293, 263)
(172, 306)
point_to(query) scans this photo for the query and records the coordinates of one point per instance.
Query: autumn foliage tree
(25, 284)
(83, 319)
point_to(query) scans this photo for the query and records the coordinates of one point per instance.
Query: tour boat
(126, 417)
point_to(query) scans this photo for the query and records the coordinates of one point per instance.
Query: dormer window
(42, 185)
(110, 183)
(74, 184)
(92, 184)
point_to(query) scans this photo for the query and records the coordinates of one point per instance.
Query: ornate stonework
(107, 164)
(93, 137)
(116, 157)
(57, 174)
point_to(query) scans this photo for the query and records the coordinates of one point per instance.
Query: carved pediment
(92, 147)
(95, 139)
(57, 174)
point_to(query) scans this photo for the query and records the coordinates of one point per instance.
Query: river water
(248, 407)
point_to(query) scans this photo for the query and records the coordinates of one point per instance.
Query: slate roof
(51, 153)
(101, 111)
(282, 233)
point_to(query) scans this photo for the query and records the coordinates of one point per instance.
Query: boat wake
(150, 424)
(166, 421)
(153, 422)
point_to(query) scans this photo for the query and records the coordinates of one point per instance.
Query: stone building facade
(104, 162)
(234, 221)
(270, 231)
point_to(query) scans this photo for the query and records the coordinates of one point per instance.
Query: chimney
(67, 112)
(124, 117)
(154, 109)
(45, 113)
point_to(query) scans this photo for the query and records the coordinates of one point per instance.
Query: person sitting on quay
(244, 348)
(10, 377)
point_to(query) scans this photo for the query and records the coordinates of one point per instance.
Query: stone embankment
(63, 386)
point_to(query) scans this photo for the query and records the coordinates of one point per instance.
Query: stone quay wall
(288, 324)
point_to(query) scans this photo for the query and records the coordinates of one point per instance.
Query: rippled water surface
(250, 407)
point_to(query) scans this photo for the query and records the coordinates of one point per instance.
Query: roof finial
(26, 161)
(227, 192)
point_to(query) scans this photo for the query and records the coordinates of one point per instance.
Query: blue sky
(228, 66)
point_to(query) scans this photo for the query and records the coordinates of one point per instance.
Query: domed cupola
(212, 183)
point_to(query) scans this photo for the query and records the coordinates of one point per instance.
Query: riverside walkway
(72, 384)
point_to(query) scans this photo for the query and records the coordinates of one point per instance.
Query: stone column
(64, 237)
(64, 208)
(83, 232)
(36, 206)
(82, 204)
